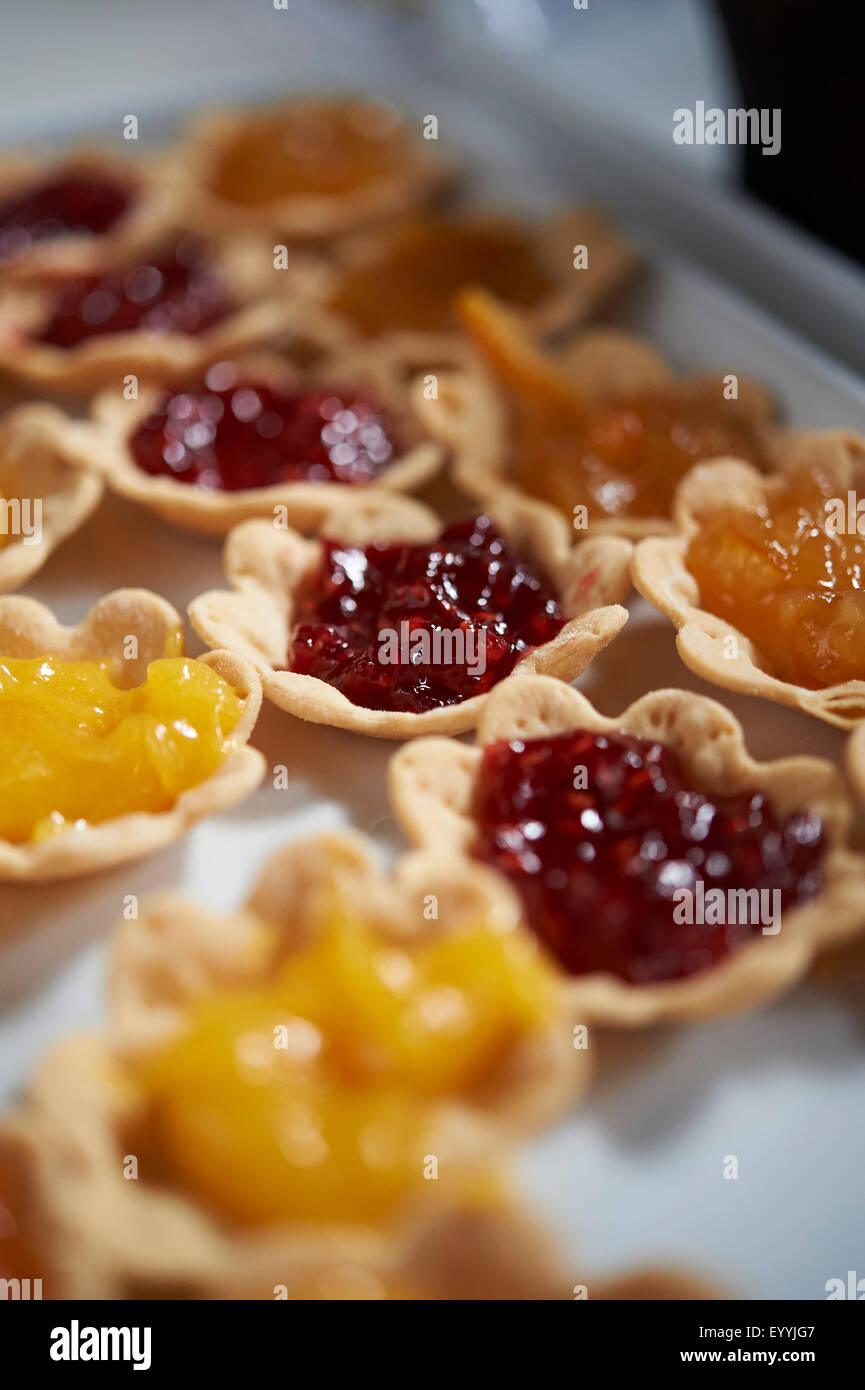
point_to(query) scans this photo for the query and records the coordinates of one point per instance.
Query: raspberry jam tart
(788, 574)
(416, 627)
(181, 291)
(227, 433)
(607, 844)
(619, 458)
(62, 206)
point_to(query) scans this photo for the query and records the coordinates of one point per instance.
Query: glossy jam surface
(76, 749)
(61, 207)
(788, 576)
(180, 292)
(317, 149)
(618, 460)
(462, 610)
(226, 433)
(597, 833)
(420, 268)
(309, 1099)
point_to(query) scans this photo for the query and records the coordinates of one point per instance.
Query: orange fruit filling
(77, 749)
(321, 149)
(312, 1098)
(620, 459)
(789, 577)
(412, 282)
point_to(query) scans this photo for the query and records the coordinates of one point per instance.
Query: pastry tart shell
(28, 629)
(431, 786)
(575, 296)
(267, 567)
(85, 253)
(37, 463)
(704, 640)
(298, 217)
(263, 314)
(472, 415)
(304, 504)
(105, 1237)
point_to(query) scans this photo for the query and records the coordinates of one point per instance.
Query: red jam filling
(181, 292)
(611, 850)
(417, 627)
(61, 207)
(229, 434)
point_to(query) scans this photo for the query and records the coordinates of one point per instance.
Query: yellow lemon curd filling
(77, 749)
(313, 1098)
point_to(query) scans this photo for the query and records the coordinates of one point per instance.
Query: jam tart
(617, 835)
(763, 578)
(599, 430)
(447, 1015)
(402, 281)
(113, 743)
(45, 493)
(164, 314)
(250, 436)
(389, 625)
(74, 215)
(309, 170)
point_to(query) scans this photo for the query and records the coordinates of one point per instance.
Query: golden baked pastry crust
(431, 786)
(266, 568)
(37, 463)
(705, 641)
(29, 629)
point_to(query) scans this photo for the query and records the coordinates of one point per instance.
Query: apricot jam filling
(76, 749)
(318, 149)
(59, 207)
(420, 268)
(227, 433)
(181, 291)
(614, 854)
(622, 459)
(790, 578)
(311, 1098)
(415, 627)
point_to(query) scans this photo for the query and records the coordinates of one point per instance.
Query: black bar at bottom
(234, 1339)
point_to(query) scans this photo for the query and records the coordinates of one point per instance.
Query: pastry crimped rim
(305, 217)
(471, 414)
(104, 1234)
(854, 758)
(660, 573)
(266, 567)
(36, 462)
(215, 512)
(264, 313)
(575, 295)
(431, 786)
(82, 253)
(29, 629)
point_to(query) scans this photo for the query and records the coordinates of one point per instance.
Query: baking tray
(636, 1175)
